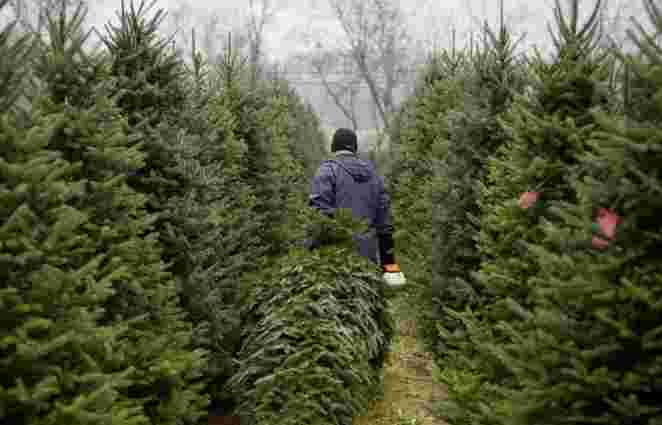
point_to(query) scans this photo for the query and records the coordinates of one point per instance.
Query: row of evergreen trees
(316, 333)
(537, 179)
(136, 190)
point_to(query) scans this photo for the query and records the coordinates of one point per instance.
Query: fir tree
(594, 327)
(149, 86)
(256, 152)
(59, 365)
(474, 137)
(231, 113)
(222, 241)
(420, 143)
(548, 132)
(308, 142)
(286, 167)
(15, 51)
(89, 130)
(245, 213)
(62, 363)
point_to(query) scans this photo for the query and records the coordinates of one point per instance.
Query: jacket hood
(360, 170)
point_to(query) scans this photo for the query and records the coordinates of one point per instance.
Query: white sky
(430, 22)
(430, 19)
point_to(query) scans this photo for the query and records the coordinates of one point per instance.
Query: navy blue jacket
(353, 183)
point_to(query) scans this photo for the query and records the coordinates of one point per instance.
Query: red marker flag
(528, 199)
(607, 221)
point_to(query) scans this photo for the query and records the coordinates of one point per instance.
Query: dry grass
(409, 388)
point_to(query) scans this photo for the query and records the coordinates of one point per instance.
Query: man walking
(346, 181)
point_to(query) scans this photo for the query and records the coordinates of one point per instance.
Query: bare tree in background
(212, 29)
(261, 13)
(180, 18)
(615, 18)
(31, 13)
(375, 47)
(343, 90)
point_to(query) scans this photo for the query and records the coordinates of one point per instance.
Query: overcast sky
(429, 19)
(298, 24)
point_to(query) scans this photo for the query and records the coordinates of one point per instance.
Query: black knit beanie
(344, 140)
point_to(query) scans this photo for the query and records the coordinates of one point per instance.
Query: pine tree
(547, 132)
(308, 142)
(61, 361)
(593, 331)
(15, 52)
(59, 365)
(277, 175)
(90, 131)
(232, 113)
(149, 85)
(420, 135)
(222, 241)
(244, 198)
(256, 150)
(474, 136)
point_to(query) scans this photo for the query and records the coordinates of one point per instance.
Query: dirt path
(409, 389)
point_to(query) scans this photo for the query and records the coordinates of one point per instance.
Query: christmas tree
(535, 168)
(247, 205)
(15, 52)
(547, 132)
(492, 79)
(594, 326)
(149, 86)
(420, 135)
(88, 130)
(59, 364)
(224, 242)
(316, 335)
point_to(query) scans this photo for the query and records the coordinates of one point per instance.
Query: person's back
(347, 181)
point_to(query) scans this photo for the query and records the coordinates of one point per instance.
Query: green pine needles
(126, 228)
(316, 338)
(544, 268)
(595, 324)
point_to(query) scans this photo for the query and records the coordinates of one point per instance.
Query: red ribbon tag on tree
(607, 221)
(528, 199)
(599, 243)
